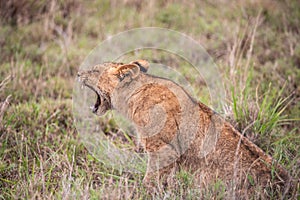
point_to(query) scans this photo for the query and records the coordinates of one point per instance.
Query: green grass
(256, 47)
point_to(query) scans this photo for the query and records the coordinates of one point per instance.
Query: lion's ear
(143, 64)
(131, 70)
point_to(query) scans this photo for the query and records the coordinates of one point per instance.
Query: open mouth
(96, 106)
(102, 100)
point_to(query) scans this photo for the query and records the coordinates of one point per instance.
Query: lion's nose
(80, 76)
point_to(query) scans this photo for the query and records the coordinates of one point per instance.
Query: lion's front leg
(158, 177)
(152, 177)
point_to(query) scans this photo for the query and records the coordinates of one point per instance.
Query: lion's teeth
(82, 86)
(94, 109)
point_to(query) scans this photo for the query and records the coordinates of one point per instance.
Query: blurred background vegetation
(254, 43)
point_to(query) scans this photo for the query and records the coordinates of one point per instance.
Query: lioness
(176, 131)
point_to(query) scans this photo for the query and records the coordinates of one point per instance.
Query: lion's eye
(94, 70)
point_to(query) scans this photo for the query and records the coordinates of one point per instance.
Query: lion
(176, 131)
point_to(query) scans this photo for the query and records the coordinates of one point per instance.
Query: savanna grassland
(254, 43)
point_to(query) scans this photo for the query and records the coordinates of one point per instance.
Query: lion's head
(104, 78)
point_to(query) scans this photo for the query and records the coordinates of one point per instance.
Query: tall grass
(43, 43)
